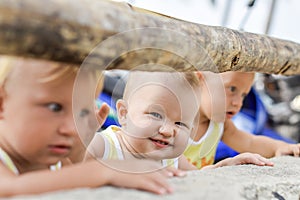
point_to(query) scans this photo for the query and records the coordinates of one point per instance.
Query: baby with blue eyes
(156, 115)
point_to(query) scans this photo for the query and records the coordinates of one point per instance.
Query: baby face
(237, 86)
(159, 120)
(37, 120)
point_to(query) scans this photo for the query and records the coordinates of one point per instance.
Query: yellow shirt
(201, 153)
(113, 148)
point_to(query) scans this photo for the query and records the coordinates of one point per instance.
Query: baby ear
(122, 111)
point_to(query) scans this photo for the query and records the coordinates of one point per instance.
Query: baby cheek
(143, 123)
(181, 141)
(143, 127)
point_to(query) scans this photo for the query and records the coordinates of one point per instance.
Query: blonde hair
(192, 79)
(5, 68)
(7, 63)
(58, 71)
(137, 78)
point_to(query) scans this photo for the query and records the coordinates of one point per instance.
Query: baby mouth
(60, 149)
(230, 114)
(160, 142)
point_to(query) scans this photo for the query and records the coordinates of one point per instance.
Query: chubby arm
(246, 142)
(88, 174)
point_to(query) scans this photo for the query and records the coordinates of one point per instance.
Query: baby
(157, 115)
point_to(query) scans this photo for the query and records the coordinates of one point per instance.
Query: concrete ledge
(227, 183)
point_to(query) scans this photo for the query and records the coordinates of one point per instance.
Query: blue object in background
(252, 119)
(112, 118)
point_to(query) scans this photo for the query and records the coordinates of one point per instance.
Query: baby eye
(156, 115)
(181, 124)
(84, 112)
(232, 88)
(55, 107)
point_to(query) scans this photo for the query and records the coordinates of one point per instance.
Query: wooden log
(67, 31)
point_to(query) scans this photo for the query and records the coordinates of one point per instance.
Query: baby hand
(140, 174)
(288, 149)
(241, 159)
(171, 171)
(250, 158)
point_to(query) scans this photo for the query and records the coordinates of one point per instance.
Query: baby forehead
(163, 95)
(169, 82)
(160, 90)
(167, 79)
(155, 91)
(154, 74)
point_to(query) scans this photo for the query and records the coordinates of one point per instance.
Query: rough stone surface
(227, 183)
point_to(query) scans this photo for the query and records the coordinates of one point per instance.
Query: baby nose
(68, 127)
(167, 130)
(237, 101)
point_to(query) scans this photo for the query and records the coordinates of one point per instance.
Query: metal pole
(270, 17)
